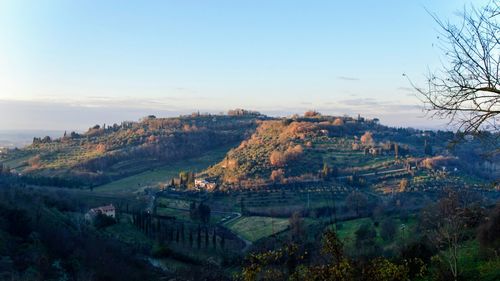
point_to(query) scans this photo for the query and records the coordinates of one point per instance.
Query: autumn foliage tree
(280, 159)
(338, 122)
(311, 113)
(367, 138)
(35, 162)
(277, 175)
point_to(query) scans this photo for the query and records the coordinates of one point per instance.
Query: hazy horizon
(20, 137)
(51, 117)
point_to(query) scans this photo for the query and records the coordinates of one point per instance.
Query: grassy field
(156, 177)
(255, 228)
(347, 230)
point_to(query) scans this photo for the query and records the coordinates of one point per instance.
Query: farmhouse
(205, 184)
(108, 210)
(375, 150)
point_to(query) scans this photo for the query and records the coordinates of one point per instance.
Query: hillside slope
(295, 149)
(318, 148)
(105, 153)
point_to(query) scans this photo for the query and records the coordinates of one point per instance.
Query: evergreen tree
(198, 239)
(177, 235)
(214, 239)
(193, 211)
(222, 240)
(206, 237)
(242, 206)
(427, 148)
(182, 232)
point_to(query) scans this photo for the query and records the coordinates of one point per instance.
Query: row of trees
(200, 212)
(184, 180)
(169, 230)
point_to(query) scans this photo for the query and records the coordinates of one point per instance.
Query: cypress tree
(182, 232)
(396, 151)
(222, 240)
(177, 234)
(214, 239)
(198, 239)
(206, 237)
(171, 234)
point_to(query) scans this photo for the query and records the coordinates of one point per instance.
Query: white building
(203, 183)
(108, 210)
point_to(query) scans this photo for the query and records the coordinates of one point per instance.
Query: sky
(66, 65)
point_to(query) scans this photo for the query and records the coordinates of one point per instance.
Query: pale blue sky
(106, 61)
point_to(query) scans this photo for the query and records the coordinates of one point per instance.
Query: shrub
(102, 221)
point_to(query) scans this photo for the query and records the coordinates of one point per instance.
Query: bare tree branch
(467, 89)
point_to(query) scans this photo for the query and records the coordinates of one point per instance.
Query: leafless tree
(445, 224)
(466, 90)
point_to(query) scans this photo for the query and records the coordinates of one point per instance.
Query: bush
(102, 221)
(161, 251)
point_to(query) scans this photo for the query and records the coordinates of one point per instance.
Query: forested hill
(105, 153)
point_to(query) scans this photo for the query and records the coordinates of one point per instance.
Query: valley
(272, 180)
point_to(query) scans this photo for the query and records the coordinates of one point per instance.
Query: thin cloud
(172, 102)
(406, 89)
(347, 78)
(360, 102)
(373, 106)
